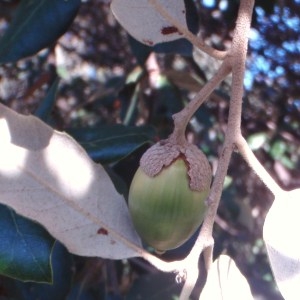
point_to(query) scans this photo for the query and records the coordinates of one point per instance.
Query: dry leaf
(46, 176)
(281, 235)
(225, 282)
(145, 24)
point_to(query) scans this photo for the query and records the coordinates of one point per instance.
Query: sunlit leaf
(145, 24)
(281, 235)
(46, 176)
(257, 140)
(180, 46)
(226, 282)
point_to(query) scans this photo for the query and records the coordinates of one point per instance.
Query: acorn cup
(167, 194)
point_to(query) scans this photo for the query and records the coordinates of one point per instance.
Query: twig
(234, 61)
(237, 58)
(182, 118)
(195, 40)
(257, 167)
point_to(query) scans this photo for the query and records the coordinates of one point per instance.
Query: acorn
(167, 194)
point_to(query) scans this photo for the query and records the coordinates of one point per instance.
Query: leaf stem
(197, 41)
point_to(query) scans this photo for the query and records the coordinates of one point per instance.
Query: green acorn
(167, 194)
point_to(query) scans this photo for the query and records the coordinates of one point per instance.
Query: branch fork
(233, 62)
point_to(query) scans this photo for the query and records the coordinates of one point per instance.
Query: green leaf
(110, 143)
(128, 97)
(36, 25)
(288, 163)
(167, 101)
(62, 277)
(278, 149)
(45, 107)
(25, 248)
(257, 140)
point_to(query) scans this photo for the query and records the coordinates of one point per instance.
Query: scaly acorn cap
(163, 153)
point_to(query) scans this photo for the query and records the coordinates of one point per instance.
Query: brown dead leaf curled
(46, 176)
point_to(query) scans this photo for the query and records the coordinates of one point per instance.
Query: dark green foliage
(25, 248)
(45, 107)
(36, 25)
(58, 289)
(110, 143)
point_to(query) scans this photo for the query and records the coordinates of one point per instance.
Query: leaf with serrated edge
(226, 282)
(145, 24)
(46, 176)
(281, 235)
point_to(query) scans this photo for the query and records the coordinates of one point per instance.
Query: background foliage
(104, 93)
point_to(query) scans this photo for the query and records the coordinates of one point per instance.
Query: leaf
(281, 235)
(61, 261)
(257, 140)
(225, 282)
(110, 143)
(36, 25)
(46, 176)
(140, 51)
(184, 79)
(168, 100)
(25, 248)
(115, 148)
(145, 24)
(278, 149)
(45, 107)
(178, 46)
